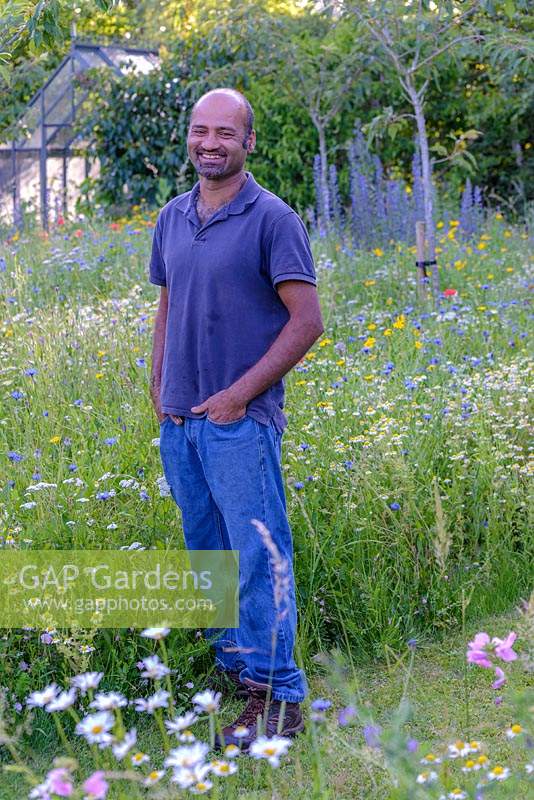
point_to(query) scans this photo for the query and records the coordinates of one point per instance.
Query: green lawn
(437, 689)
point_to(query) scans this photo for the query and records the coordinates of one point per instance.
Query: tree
(411, 37)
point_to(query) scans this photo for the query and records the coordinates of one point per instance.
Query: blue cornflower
(31, 372)
(16, 395)
(303, 446)
(412, 643)
(427, 416)
(103, 495)
(144, 495)
(140, 362)
(298, 485)
(321, 704)
(371, 734)
(13, 456)
(346, 715)
(348, 464)
(111, 440)
(72, 467)
(395, 506)
(78, 403)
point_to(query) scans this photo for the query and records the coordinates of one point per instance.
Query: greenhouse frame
(43, 166)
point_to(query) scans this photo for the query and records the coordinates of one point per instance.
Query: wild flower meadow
(407, 461)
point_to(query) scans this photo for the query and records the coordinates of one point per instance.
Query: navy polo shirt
(223, 309)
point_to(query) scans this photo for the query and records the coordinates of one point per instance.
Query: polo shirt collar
(248, 193)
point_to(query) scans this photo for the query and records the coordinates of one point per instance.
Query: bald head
(234, 100)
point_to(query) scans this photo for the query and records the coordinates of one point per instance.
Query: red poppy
(78, 232)
(60, 220)
(450, 292)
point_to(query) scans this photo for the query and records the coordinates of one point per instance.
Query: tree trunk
(426, 169)
(325, 194)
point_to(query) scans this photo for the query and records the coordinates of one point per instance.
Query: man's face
(216, 134)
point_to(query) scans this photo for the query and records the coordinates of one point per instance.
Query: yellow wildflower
(400, 322)
(369, 342)
(378, 252)
(55, 439)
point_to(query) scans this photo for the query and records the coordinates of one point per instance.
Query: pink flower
(503, 648)
(476, 653)
(95, 786)
(59, 782)
(501, 679)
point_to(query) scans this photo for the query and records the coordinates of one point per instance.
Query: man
(238, 309)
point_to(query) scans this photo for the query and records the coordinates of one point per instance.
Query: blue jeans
(223, 475)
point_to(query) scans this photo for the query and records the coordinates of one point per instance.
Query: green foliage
(141, 143)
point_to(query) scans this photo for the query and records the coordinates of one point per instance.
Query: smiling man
(238, 309)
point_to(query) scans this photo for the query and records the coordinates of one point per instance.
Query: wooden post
(420, 241)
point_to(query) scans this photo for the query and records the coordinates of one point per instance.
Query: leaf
(472, 134)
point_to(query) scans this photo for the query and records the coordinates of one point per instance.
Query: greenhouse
(44, 166)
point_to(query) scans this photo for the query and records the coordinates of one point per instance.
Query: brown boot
(245, 730)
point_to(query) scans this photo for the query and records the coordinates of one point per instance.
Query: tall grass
(405, 456)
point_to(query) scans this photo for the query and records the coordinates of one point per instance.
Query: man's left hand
(223, 406)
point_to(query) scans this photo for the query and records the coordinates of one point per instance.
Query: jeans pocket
(225, 424)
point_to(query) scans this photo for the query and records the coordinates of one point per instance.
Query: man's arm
(158, 349)
(302, 329)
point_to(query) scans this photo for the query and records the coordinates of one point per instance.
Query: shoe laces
(255, 706)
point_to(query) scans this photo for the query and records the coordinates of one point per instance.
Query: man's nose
(211, 141)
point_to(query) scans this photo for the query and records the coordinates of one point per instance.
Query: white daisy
(139, 758)
(153, 777)
(498, 773)
(154, 668)
(459, 749)
(108, 701)
(120, 749)
(514, 730)
(41, 699)
(457, 794)
(427, 776)
(187, 777)
(180, 723)
(223, 768)
(86, 681)
(188, 756)
(155, 633)
(62, 701)
(271, 749)
(159, 699)
(207, 701)
(95, 727)
(430, 758)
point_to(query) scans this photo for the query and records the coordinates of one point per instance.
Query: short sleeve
(157, 264)
(289, 255)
